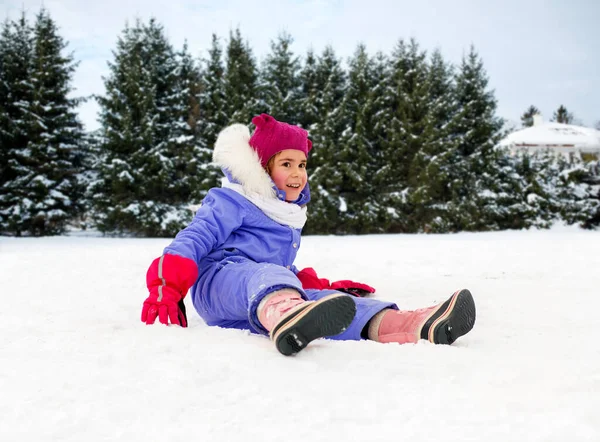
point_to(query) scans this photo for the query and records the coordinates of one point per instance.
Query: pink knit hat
(271, 137)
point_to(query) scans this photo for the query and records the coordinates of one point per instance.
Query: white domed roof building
(566, 139)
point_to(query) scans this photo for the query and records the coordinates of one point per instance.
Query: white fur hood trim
(234, 153)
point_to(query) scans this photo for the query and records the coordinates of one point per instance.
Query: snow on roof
(555, 135)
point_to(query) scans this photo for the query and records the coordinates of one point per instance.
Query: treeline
(404, 142)
(560, 115)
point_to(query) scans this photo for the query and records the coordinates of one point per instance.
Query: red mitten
(353, 288)
(168, 279)
(309, 279)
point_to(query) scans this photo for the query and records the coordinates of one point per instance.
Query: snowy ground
(77, 364)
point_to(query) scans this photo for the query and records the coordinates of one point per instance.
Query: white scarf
(288, 214)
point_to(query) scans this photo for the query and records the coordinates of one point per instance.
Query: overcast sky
(544, 53)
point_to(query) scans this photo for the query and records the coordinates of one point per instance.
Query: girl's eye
(286, 164)
(302, 165)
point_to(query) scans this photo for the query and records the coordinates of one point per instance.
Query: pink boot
(440, 324)
(275, 305)
(294, 322)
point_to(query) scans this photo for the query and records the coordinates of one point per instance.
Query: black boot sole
(454, 318)
(328, 316)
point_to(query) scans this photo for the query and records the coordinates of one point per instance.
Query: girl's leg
(366, 308)
(383, 322)
(276, 305)
(440, 324)
(228, 295)
(293, 322)
(269, 298)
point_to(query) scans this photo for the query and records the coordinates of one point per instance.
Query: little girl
(237, 257)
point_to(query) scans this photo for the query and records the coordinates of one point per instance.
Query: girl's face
(288, 171)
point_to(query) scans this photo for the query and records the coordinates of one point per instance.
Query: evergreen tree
(390, 179)
(442, 93)
(527, 117)
(194, 174)
(308, 101)
(280, 81)
(432, 166)
(45, 193)
(16, 96)
(355, 151)
(558, 189)
(213, 98)
(91, 144)
(562, 115)
(592, 180)
(541, 172)
(127, 113)
(410, 129)
(240, 81)
(324, 174)
(579, 191)
(149, 164)
(60, 133)
(213, 109)
(500, 191)
(380, 107)
(4, 98)
(485, 192)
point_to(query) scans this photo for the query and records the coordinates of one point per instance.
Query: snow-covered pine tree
(557, 188)
(212, 94)
(280, 84)
(16, 96)
(540, 172)
(433, 162)
(61, 135)
(592, 179)
(5, 92)
(409, 131)
(126, 112)
(355, 154)
(578, 192)
(308, 101)
(240, 81)
(475, 130)
(390, 182)
(46, 193)
(486, 193)
(502, 192)
(324, 174)
(147, 143)
(382, 111)
(194, 173)
(527, 117)
(213, 108)
(91, 144)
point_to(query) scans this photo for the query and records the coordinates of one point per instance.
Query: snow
(133, 208)
(556, 135)
(182, 139)
(125, 175)
(43, 180)
(77, 364)
(175, 215)
(486, 193)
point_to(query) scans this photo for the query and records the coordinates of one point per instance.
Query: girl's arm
(171, 275)
(217, 218)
